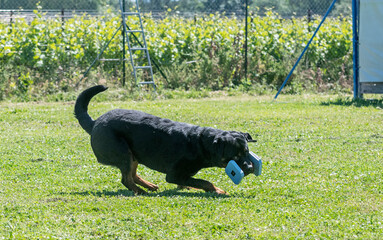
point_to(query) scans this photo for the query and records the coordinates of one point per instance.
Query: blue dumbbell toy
(235, 172)
(257, 161)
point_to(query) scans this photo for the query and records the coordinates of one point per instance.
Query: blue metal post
(355, 30)
(304, 50)
(246, 32)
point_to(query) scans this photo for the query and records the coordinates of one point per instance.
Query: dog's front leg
(194, 183)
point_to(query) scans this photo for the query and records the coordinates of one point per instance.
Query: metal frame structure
(141, 46)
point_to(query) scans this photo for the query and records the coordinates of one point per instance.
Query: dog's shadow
(165, 193)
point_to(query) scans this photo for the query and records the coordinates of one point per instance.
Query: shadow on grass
(165, 193)
(354, 102)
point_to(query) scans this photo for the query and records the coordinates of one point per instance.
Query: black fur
(126, 138)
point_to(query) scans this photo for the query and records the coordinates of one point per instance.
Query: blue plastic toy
(235, 172)
(257, 161)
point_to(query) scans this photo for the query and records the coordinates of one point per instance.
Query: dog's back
(155, 142)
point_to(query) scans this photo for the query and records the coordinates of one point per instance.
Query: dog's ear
(248, 137)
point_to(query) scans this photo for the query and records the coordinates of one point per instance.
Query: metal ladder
(138, 46)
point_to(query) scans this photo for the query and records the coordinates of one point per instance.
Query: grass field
(322, 174)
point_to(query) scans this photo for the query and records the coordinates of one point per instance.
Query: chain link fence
(285, 8)
(271, 53)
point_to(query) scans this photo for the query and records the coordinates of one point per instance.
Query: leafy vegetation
(47, 55)
(322, 175)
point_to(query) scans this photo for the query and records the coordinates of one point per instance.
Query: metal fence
(285, 8)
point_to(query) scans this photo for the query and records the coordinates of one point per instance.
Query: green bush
(47, 55)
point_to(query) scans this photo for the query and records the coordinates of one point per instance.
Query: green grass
(322, 174)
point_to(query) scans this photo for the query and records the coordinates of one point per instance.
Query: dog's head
(232, 145)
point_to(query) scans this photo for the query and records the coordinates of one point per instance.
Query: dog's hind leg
(140, 181)
(113, 150)
(128, 181)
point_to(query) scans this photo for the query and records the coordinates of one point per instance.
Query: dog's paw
(139, 191)
(220, 191)
(153, 187)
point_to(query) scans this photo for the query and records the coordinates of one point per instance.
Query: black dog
(125, 138)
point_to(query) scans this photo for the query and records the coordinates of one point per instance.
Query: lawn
(322, 174)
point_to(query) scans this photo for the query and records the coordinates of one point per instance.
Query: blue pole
(246, 33)
(355, 42)
(304, 50)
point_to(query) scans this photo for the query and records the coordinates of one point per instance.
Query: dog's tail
(81, 107)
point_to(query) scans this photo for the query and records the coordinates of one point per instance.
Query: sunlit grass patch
(322, 175)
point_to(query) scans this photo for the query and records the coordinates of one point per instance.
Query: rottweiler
(126, 138)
